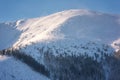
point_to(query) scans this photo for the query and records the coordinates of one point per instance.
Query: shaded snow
(8, 35)
(12, 69)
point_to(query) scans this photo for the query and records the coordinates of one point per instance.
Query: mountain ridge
(51, 26)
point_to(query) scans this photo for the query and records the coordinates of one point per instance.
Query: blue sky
(11, 10)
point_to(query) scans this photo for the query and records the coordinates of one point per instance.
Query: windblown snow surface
(75, 32)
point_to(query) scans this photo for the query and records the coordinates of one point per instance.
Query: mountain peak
(69, 24)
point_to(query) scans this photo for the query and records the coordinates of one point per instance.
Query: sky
(11, 10)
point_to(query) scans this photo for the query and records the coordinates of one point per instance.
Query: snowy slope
(64, 28)
(12, 69)
(71, 24)
(8, 35)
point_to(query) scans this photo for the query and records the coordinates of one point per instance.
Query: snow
(116, 44)
(70, 24)
(68, 47)
(12, 69)
(2, 58)
(71, 32)
(62, 30)
(45, 26)
(8, 35)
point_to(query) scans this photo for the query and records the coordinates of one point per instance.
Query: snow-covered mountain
(62, 32)
(70, 32)
(70, 24)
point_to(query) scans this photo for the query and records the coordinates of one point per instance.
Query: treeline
(82, 67)
(72, 67)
